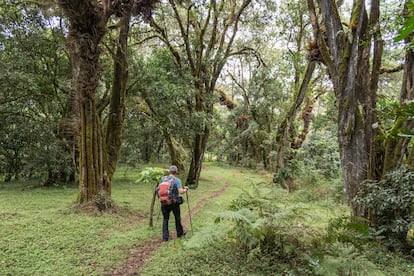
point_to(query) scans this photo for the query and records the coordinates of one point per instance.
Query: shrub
(345, 259)
(267, 233)
(348, 230)
(390, 204)
(151, 175)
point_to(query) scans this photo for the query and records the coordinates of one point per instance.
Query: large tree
(98, 150)
(352, 53)
(201, 38)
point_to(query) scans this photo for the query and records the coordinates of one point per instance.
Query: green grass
(41, 233)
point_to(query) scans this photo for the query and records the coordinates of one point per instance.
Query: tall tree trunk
(117, 104)
(283, 137)
(376, 152)
(396, 147)
(351, 90)
(98, 154)
(200, 143)
(93, 179)
(174, 150)
(408, 96)
(86, 31)
(346, 53)
(200, 139)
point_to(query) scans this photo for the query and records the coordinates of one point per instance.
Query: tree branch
(392, 70)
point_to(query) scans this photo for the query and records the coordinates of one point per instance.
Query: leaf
(406, 29)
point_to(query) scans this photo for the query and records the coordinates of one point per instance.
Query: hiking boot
(184, 232)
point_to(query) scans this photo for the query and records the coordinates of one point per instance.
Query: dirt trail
(141, 254)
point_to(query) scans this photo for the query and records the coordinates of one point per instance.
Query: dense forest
(305, 91)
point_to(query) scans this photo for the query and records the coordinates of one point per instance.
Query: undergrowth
(267, 231)
(248, 229)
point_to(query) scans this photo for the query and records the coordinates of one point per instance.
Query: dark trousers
(166, 210)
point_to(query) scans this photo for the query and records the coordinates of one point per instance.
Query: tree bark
(98, 151)
(86, 31)
(200, 143)
(396, 147)
(347, 56)
(283, 137)
(85, 39)
(174, 150)
(117, 103)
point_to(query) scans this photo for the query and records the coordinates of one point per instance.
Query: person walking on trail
(174, 204)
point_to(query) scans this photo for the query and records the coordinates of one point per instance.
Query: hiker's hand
(186, 188)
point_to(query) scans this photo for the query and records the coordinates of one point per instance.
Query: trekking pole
(158, 217)
(189, 212)
(154, 195)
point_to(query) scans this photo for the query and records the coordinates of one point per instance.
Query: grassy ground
(42, 234)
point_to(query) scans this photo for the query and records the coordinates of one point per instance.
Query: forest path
(140, 254)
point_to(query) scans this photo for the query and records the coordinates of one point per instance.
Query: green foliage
(157, 104)
(391, 113)
(151, 175)
(408, 27)
(40, 234)
(33, 90)
(285, 173)
(321, 153)
(261, 229)
(344, 259)
(348, 230)
(390, 202)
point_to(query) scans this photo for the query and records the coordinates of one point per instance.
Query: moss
(355, 13)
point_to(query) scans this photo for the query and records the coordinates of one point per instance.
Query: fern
(258, 224)
(208, 235)
(290, 213)
(344, 259)
(243, 215)
(354, 230)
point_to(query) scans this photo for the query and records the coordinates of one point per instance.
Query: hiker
(174, 205)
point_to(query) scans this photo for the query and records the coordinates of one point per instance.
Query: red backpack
(165, 191)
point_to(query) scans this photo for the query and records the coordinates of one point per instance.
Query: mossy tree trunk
(86, 31)
(175, 150)
(98, 149)
(200, 143)
(354, 71)
(116, 115)
(284, 135)
(396, 146)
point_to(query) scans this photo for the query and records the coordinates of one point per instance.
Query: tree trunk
(351, 91)
(283, 137)
(116, 114)
(396, 147)
(85, 34)
(200, 143)
(98, 153)
(347, 56)
(174, 150)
